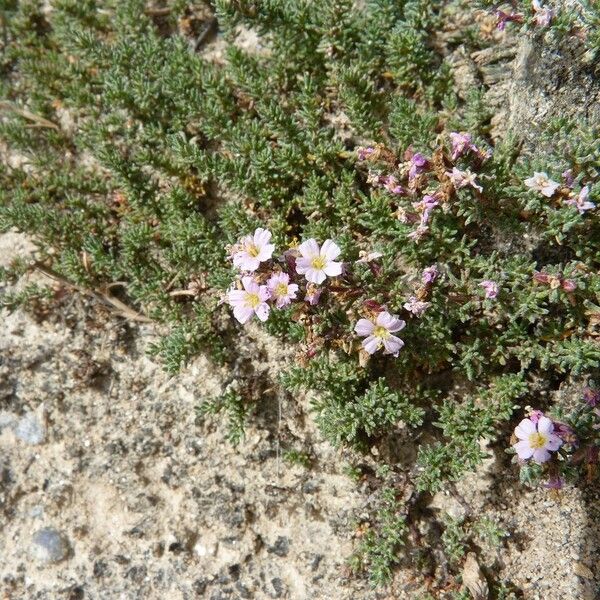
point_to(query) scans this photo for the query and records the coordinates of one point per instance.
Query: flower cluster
(263, 285)
(418, 182)
(542, 16)
(574, 440)
(251, 294)
(555, 281)
(540, 182)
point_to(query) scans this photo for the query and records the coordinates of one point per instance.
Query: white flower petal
(302, 265)
(236, 297)
(392, 345)
(371, 344)
(262, 311)
(525, 428)
(554, 442)
(541, 455)
(524, 450)
(263, 293)
(250, 285)
(364, 327)
(544, 425)
(330, 250)
(242, 313)
(243, 261)
(333, 269)
(261, 237)
(315, 275)
(265, 252)
(396, 325)
(309, 248)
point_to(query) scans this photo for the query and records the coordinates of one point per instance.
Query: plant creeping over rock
(332, 185)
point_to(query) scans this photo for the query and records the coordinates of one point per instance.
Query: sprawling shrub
(139, 154)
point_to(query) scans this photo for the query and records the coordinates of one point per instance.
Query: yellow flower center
(537, 440)
(281, 289)
(252, 300)
(253, 251)
(381, 332)
(318, 262)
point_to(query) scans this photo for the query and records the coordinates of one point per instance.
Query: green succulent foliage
(379, 550)
(232, 404)
(464, 425)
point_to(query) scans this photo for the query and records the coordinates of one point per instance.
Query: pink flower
(540, 182)
(379, 333)
(416, 307)
(250, 251)
(364, 153)
(252, 300)
(313, 294)
(490, 287)
(315, 263)
(425, 206)
(581, 202)
(504, 18)
(417, 164)
(429, 275)
(536, 440)
(543, 14)
(281, 290)
(461, 143)
(461, 179)
(391, 185)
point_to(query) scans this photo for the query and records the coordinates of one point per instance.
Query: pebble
(583, 571)
(31, 429)
(49, 546)
(7, 420)
(280, 547)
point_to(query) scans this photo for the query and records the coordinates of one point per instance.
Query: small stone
(310, 486)
(277, 588)
(49, 546)
(281, 546)
(31, 429)
(473, 578)
(316, 562)
(583, 571)
(199, 586)
(7, 420)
